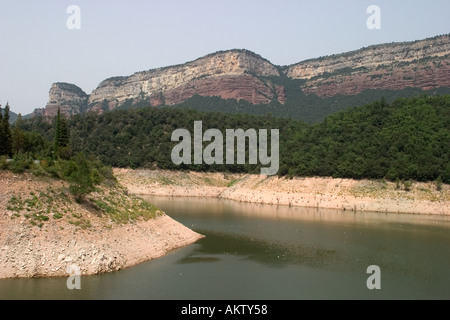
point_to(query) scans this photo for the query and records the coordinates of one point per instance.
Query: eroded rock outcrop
(421, 64)
(244, 75)
(231, 74)
(68, 97)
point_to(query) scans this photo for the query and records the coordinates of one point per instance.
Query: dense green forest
(408, 138)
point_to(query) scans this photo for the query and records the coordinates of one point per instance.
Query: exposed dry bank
(347, 194)
(43, 231)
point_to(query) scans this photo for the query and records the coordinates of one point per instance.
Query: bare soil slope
(43, 231)
(346, 194)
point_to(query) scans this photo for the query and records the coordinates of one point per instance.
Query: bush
(3, 163)
(57, 215)
(407, 185)
(20, 163)
(81, 180)
(38, 170)
(439, 184)
(65, 168)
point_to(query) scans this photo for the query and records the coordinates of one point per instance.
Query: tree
(6, 138)
(61, 140)
(56, 139)
(64, 148)
(63, 133)
(2, 134)
(34, 143)
(439, 184)
(18, 139)
(81, 179)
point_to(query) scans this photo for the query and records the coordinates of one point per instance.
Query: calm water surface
(268, 252)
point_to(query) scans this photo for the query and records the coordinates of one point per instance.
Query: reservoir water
(273, 252)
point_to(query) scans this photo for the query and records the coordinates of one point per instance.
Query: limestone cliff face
(421, 64)
(372, 57)
(424, 75)
(68, 97)
(244, 75)
(231, 74)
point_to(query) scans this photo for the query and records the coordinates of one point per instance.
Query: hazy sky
(118, 38)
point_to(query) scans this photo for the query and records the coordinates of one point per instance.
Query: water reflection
(224, 207)
(275, 254)
(414, 248)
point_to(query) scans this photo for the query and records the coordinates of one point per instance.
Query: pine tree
(18, 139)
(81, 181)
(2, 135)
(61, 142)
(63, 133)
(6, 132)
(57, 129)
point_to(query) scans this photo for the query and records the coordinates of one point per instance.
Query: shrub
(407, 185)
(81, 180)
(20, 163)
(439, 184)
(57, 215)
(38, 170)
(3, 163)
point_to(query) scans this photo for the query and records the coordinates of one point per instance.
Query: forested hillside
(298, 105)
(405, 139)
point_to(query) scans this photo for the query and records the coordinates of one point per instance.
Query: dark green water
(269, 252)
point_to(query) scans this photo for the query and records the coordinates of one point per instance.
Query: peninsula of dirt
(44, 232)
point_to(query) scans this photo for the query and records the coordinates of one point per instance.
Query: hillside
(12, 115)
(405, 139)
(246, 82)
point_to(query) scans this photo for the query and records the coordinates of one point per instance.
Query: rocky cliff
(231, 74)
(68, 97)
(244, 75)
(421, 64)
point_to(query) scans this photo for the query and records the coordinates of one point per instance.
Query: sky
(119, 38)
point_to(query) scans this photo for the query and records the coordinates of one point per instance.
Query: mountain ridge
(370, 47)
(243, 75)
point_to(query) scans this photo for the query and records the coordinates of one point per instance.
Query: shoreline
(315, 192)
(29, 251)
(38, 256)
